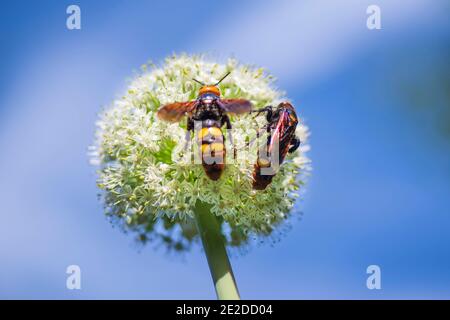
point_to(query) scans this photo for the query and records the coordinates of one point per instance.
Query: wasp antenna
(198, 81)
(228, 73)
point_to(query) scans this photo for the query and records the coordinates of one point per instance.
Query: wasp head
(210, 89)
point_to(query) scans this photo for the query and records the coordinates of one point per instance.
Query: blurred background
(377, 103)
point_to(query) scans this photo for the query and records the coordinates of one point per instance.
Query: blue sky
(379, 192)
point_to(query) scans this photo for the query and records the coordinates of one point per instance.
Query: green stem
(213, 244)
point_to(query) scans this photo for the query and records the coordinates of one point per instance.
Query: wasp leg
(226, 120)
(266, 127)
(267, 109)
(189, 129)
(295, 143)
(258, 134)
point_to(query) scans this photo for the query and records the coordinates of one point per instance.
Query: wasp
(211, 111)
(281, 139)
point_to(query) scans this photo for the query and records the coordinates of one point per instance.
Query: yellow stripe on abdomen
(211, 132)
(211, 139)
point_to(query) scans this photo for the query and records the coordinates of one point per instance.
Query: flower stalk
(216, 254)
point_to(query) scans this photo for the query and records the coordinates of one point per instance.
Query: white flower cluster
(148, 191)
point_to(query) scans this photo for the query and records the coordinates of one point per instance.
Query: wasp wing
(236, 106)
(173, 112)
(282, 136)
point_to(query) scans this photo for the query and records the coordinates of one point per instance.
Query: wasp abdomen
(261, 181)
(212, 151)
